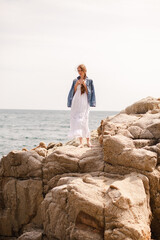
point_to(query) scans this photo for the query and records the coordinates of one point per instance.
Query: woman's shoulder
(89, 80)
(74, 80)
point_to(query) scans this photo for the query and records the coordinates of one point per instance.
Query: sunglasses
(79, 70)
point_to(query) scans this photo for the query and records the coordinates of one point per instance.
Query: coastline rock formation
(110, 191)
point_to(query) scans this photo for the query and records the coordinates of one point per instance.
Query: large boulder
(98, 208)
(21, 164)
(21, 191)
(20, 204)
(71, 159)
(131, 143)
(143, 106)
(120, 150)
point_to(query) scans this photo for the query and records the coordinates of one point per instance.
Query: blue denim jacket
(91, 92)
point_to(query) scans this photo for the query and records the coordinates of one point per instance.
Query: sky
(43, 41)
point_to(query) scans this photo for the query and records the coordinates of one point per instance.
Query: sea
(21, 128)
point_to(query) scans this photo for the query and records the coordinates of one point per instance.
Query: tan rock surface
(143, 106)
(120, 150)
(81, 206)
(142, 120)
(33, 235)
(21, 164)
(110, 191)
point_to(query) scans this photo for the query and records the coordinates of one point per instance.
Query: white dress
(79, 115)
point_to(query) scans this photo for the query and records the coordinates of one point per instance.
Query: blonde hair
(83, 68)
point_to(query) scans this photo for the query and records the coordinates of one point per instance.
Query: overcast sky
(43, 41)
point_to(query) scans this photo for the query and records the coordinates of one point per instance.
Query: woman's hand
(77, 83)
(82, 82)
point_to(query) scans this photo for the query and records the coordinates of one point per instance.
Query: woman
(80, 98)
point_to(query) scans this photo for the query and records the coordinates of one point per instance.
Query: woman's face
(80, 71)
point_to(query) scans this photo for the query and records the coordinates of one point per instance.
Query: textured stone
(110, 191)
(70, 159)
(97, 208)
(33, 235)
(120, 150)
(143, 106)
(20, 202)
(21, 164)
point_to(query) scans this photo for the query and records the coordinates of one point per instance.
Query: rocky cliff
(110, 191)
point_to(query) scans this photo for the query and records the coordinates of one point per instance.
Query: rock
(125, 133)
(24, 149)
(140, 143)
(155, 129)
(142, 121)
(127, 199)
(153, 189)
(110, 191)
(41, 149)
(52, 144)
(119, 150)
(61, 160)
(92, 161)
(34, 235)
(70, 159)
(146, 134)
(92, 208)
(41, 145)
(20, 204)
(135, 131)
(143, 106)
(21, 164)
(146, 120)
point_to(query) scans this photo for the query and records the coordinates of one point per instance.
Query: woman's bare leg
(88, 142)
(81, 144)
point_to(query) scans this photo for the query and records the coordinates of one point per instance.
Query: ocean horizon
(21, 128)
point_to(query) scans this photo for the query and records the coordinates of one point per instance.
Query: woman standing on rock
(80, 98)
